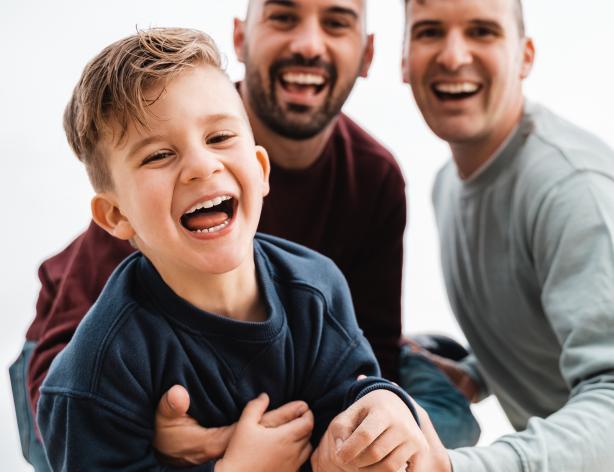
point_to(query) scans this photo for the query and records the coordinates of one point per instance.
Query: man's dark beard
(265, 105)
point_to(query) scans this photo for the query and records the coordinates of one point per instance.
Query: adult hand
(181, 441)
(459, 376)
(376, 433)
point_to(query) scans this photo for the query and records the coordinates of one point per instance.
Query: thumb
(174, 403)
(254, 410)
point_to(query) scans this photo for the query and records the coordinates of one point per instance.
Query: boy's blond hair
(111, 91)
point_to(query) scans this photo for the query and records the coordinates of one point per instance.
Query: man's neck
(285, 152)
(471, 156)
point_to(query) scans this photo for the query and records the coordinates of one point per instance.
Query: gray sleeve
(573, 249)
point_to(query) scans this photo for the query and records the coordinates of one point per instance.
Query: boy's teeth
(461, 87)
(213, 229)
(209, 203)
(301, 78)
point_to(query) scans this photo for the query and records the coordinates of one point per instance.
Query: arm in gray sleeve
(573, 252)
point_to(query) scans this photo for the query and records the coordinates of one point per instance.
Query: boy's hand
(256, 448)
(181, 441)
(376, 433)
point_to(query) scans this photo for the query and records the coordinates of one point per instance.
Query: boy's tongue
(205, 220)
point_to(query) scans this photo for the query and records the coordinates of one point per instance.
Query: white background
(45, 193)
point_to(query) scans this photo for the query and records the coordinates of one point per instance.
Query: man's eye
(428, 33)
(335, 24)
(481, 32)
(219, 138)
(283, 19)
(156, 157)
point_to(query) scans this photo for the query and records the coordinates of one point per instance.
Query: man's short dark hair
(519, 15)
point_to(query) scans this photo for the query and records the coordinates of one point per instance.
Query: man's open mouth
(210, 216)
(303, 82)
(456, 90)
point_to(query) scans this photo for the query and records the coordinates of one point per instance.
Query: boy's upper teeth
(209, 203)
(460, 87)
(302, 78)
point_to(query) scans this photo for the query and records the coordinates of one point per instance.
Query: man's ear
(367, 57)
(108, 216)
(265, 165)
(238, 38)
(528, 57)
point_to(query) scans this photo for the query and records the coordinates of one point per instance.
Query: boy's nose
(200, 164)
(455, 52)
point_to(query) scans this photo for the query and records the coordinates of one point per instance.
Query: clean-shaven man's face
(465, 61)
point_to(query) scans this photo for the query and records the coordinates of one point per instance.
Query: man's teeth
(301, 78)
(209, 203)
(213, 229)
(461, 87)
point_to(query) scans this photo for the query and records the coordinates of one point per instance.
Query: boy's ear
(367, 58)
(108, 216)
(238, 37)
(263, 160)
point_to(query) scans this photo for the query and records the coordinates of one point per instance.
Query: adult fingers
(174, 403)
(284, 414)
(362, 437)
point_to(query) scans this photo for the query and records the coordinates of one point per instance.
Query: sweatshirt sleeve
(573, 248)
(83, 432)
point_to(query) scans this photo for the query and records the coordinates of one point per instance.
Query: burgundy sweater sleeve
(70, 283)
(376, 274)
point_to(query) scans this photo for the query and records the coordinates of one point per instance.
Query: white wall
(45, 194)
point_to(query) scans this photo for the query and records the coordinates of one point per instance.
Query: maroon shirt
(349, 205)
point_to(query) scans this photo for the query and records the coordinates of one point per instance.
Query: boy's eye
(157, 157)
(220, 137)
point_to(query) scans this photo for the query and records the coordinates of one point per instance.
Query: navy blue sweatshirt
(97, 404)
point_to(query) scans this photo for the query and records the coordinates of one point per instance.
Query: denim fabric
(446, 406)
(31, 446)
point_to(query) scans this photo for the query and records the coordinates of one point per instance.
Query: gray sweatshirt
(527, 249)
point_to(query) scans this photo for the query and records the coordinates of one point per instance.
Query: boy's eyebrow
(142, 143)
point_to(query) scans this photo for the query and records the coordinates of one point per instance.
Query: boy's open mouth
(210, 216)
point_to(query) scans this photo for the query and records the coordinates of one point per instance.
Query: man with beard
(333, 188)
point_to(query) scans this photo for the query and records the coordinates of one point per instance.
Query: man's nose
(200, 164)
(309, 39)
(455, 52)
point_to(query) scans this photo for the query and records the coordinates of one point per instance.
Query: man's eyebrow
(343, 11)
(283, 3)
(423, 23)
(486, 23)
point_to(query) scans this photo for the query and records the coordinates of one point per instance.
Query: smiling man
(525, 213)
(333, 188)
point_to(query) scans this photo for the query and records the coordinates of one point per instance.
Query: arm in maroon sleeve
(376, 274)
(70, 283)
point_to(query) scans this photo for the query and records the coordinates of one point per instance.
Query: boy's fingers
(174, 403)
(284, 414)
(361, 438)
(254, 410)
(299, 428)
